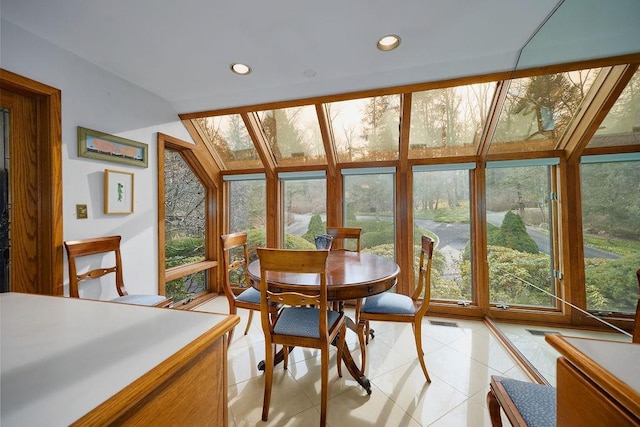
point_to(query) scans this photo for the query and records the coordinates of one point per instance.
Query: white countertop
(62, 357)
(619, 358)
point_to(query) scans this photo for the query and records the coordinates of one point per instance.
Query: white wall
(96, 99)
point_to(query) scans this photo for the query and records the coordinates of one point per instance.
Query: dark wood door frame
(39, 269)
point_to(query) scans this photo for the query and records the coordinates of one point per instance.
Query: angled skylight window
(230, 139)
(622, 124)
(366, 129)
(449, 122)
(538, 109)
(294, 135)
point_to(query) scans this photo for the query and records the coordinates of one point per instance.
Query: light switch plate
(81, 211)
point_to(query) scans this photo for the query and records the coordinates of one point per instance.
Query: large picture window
(611, 231)
(519, 233)
(184, 225)
(369, 203)
(366, 129)
(485, 165)
(305, 208)
(441, 210)
(247, 195)
(186, 220)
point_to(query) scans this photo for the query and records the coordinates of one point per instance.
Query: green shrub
(493, 234)
(184, 250)
(377, 238)
(176, 290)
(256, 238)
(184, 246)
(509, 272)
(385, 251)
(369, 226)
(316, 227)
(513, 234)
(291, 241)
(176, 261)
(448, 215)
(611, 283)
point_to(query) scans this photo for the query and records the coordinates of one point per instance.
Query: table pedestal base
(346, 358)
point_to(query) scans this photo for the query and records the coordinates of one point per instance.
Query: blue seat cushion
(535, 402)
(389, 303)
(251, 295)
(140, 299)
(302, 321)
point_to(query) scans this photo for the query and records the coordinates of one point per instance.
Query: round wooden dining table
(350, 275)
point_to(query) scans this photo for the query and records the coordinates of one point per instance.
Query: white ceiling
(181, 49)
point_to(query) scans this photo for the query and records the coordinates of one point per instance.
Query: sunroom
(527, 180)
(527, 176)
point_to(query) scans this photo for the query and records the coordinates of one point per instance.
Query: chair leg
(357, 320)
(363, 348)
(268, 378)
(246, 330)
(324, 387)
(494, 409)
(285, 353)
(341, 348)
(368, 332)
(417, 332)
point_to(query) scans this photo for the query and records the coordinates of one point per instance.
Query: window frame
(470, 168)
(597, 156)
(565, 179)
(283, 178)
(227, 181)
(378, 171)
(190, 154)
(556, 267)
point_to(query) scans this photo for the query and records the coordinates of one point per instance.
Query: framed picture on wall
(102, 146)
(118, 192)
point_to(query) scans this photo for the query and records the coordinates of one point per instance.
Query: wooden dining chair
(236, 283)
(394, 307)
(525, 404)
(77, 249)
(346, 238)
(304, 319)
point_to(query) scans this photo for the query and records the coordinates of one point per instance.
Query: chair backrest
(235, 257)
(342, 234)
(86, 247)
(424, 275)
(300, 267)
(636, 325)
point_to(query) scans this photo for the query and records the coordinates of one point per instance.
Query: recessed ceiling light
(389, 42)
(241, 69)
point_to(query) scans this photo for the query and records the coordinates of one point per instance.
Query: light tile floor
(460, 361)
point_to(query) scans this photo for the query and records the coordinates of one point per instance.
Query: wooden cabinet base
(71, 361)
(190, 388)
(582, 403)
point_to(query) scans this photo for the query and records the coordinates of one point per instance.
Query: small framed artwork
(118, 192)
(102, 146)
